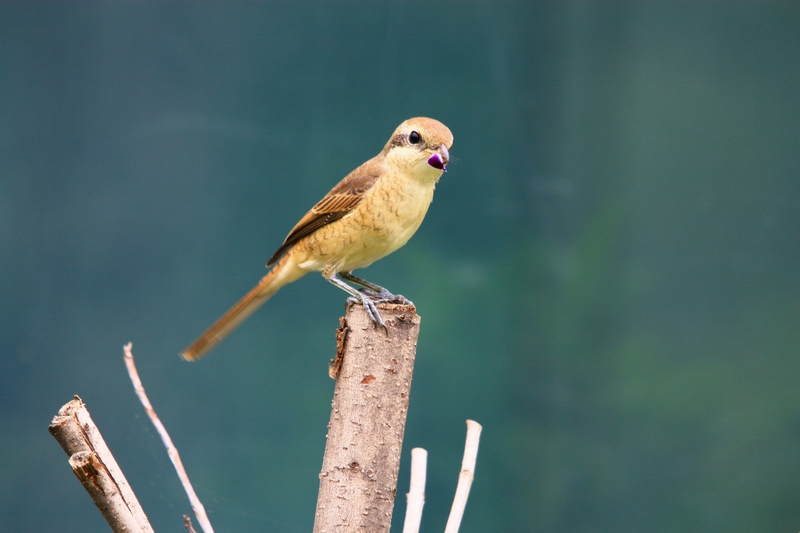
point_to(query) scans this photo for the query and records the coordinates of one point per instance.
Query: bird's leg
(357, 296)
(371, 289)
(376, 291)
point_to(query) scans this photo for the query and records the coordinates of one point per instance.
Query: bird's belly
(384, 222)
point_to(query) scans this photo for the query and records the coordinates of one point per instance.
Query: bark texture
(96, 469)
(358, 481)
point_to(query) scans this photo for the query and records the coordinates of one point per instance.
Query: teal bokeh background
(608, 276)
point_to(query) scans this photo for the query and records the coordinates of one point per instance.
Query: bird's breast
(396, 208)
(388, 216)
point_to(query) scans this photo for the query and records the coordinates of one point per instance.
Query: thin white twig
(465, 477)
(197, 506)
(416, 491)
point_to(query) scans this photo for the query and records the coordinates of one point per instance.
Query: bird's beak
(440, 158)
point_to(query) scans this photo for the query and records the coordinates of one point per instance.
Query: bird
(369, 214)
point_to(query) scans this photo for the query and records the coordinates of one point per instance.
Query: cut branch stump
(96, 469)
(358, 481)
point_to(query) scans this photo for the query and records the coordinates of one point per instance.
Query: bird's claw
(370, 307)
(374, 314)
(384, 296)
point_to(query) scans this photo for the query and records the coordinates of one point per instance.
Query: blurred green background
(608, 277)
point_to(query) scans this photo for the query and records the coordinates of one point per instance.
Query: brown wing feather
(342, 199)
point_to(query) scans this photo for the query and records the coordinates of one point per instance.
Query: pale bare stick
(95, 467)
(197, 506)
(465, 477)
(416, 491)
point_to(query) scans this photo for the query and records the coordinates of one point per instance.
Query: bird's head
(423, 143)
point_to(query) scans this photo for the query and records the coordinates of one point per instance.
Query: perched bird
(371, 213)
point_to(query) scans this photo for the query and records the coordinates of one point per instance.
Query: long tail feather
(281, 274)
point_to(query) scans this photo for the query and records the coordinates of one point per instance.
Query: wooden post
(358, 481)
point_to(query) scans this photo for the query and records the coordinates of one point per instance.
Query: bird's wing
(342, 199)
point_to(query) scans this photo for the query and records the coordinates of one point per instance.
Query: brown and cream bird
(371, 213)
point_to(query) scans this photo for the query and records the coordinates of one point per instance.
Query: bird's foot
(370, 307)
(370, 300)
(384, 296)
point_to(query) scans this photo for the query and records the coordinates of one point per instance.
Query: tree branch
(416, 490)
(98, 472)
(172, 451)
(465, 477)
(358, 482)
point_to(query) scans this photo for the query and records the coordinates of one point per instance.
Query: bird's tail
(286, 271)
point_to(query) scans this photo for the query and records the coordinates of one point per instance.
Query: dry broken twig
(98, 472)
(187, 523)
(197, 506)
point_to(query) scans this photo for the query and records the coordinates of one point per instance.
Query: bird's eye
(414, 137)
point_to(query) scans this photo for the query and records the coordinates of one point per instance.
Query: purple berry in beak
(436, 161)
